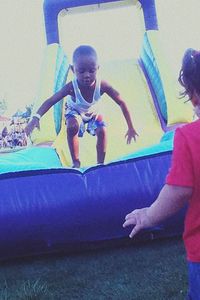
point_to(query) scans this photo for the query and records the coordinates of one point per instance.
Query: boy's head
(189, 76)
(85, 65)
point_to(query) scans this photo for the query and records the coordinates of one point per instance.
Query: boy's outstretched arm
(169, 201)
(46, 105)
(112, 93)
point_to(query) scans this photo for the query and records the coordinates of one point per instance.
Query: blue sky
(23, 41)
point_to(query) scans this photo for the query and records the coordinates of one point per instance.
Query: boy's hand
(140, 219)
(34, 123)
(131, 134)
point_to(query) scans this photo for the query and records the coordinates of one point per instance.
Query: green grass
(153, 270)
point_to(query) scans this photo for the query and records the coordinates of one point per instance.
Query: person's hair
(83, 50)
(189, 76)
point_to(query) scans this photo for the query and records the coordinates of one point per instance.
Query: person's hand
(140, 219)
(34, 123)
(131, 134)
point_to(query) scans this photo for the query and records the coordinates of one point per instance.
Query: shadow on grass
(111, 270)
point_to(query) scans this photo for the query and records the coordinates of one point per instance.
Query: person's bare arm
(66, 90)
(115, 95)
(46, 105)
(170, 200)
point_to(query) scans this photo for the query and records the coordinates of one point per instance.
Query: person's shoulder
(68, 88)
(105, 86)
(195, 125)
(189, 130)
(68, 85)
(104, 83)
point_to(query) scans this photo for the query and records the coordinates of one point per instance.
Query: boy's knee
(72, 126)
(101, 131)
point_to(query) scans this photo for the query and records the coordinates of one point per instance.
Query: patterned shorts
(86, 125)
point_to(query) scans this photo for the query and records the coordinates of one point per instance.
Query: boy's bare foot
(76, 163)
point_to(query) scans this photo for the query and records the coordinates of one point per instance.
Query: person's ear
(195, 99)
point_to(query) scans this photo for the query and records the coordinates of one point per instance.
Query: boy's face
(85, 68)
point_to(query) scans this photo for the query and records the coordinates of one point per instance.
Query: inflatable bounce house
(45, 204)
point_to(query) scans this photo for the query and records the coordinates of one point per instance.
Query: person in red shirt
(183, 180)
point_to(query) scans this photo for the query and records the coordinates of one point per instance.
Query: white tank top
(84, 108)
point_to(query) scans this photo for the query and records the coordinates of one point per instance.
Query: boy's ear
(72, 68)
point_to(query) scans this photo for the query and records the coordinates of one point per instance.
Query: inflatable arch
(45, 204)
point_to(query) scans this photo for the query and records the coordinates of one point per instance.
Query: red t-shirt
(185, 171)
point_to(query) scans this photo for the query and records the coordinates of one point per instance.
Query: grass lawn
(124, 271)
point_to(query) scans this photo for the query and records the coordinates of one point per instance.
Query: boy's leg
(73, 142)
(101, 144)
(194, 281)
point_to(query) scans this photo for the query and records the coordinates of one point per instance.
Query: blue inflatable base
(45, 207)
